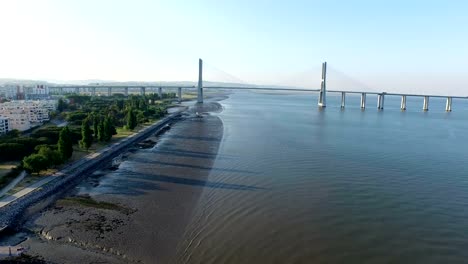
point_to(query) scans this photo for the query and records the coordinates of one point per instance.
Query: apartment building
(4, 127)
(23, 115)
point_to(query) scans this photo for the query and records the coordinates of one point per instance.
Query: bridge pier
(126, 91)
(77, 90)
(200, 81)
(448, 105)
(403, 103)
(109, 91)
(323, 87)
(160, 92)
(363, 100)
(142, 91)
(61, 90)
(179, 94)
(93, 91)
(380, 101)
(343, 99)
(426, 103)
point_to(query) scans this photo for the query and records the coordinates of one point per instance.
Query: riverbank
(12, 206)
(139, 211)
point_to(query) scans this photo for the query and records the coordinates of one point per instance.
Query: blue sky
(412, 46)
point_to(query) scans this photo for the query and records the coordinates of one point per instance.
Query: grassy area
(8, 172)
(87, 201)
(122, 132)
(189, 96)
(28, 180)
(79, 153)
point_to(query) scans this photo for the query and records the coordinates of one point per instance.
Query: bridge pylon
(200, 81)
(322, 102)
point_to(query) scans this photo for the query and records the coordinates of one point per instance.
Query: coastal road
(11, 198)
(13, 183)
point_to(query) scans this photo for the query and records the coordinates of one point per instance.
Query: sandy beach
(138, 212)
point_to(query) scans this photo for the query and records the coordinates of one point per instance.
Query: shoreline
(138, 212)
(12, 208)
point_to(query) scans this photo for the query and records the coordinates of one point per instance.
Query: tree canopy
(86, 135)
(65, 143)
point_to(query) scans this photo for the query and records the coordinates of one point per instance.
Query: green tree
(35, 163)
(109, 128)
(95, 124)
(65, 143)
(13, 151)
(86, 135)
(14, 133)
(143, 105)
(120, 104)
(131, 119)
(61, 105)
(101, 131)
(76, 116)
(53, 157)
(140, 117)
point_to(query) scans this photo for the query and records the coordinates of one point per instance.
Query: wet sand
(138, 212)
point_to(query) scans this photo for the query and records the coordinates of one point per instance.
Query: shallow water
(334, 186)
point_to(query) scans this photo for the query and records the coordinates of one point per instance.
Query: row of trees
(90, 119)
(103, 130)
(16, 148)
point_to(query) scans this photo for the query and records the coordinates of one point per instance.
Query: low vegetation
(87, 201)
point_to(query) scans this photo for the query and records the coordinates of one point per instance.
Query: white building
(37, 92)
(9, 91)
(4, 128)
(25, 92)
(23, 115)
(40, 89)
(50, 105)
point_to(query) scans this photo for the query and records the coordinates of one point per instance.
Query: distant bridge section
(261, 88)
(110, 89)
(323, 93)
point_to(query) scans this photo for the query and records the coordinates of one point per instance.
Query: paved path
(67, 169)
(12, 184)
(10, 198)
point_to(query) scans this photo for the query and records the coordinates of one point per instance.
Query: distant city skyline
(400, 46)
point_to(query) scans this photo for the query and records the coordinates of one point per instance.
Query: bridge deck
(121, 86)
(262, 88)
(251, 88)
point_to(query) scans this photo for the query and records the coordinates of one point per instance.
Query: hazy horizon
(398, 46)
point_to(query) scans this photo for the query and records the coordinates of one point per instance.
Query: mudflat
(137, 212)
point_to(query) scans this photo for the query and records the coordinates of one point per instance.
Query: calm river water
(334, 186)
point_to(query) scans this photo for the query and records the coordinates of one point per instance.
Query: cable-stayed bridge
(235, 83)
